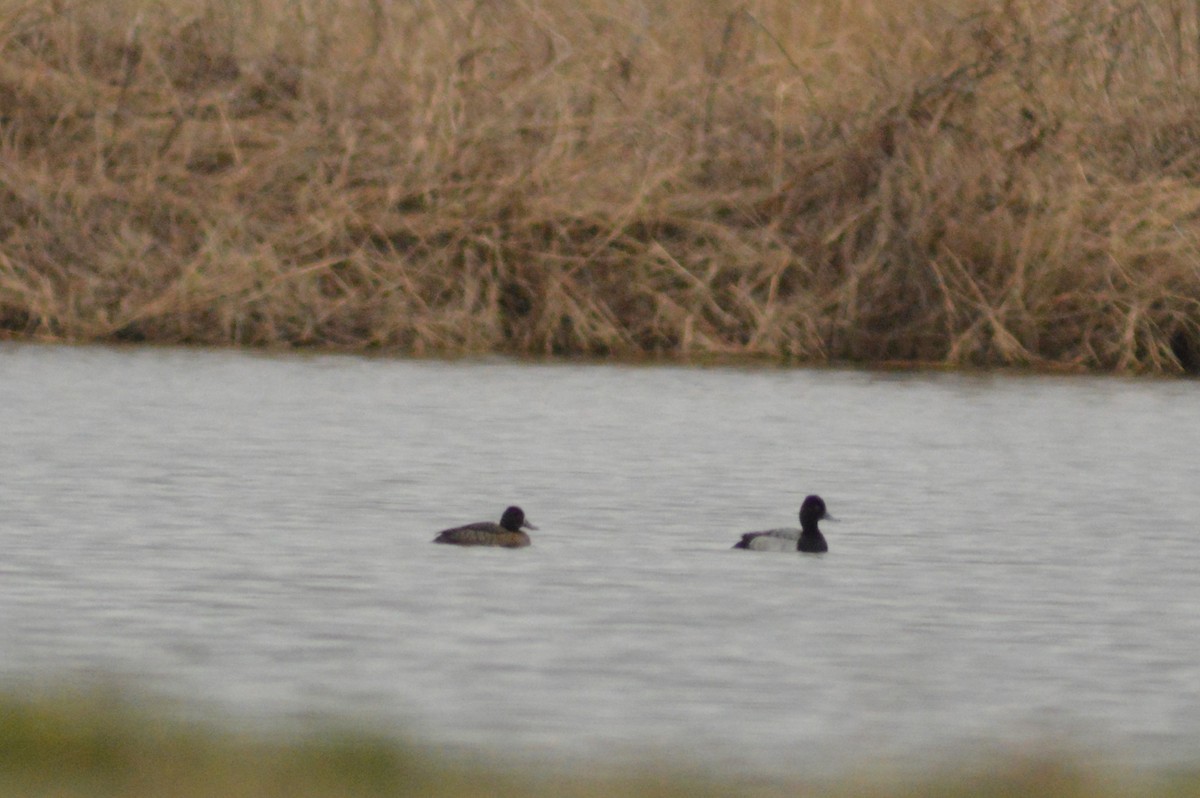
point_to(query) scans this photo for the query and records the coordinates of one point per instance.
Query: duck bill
(828, 517)
(527, 525)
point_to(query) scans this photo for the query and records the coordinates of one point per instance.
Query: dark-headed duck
(807, 538)
(507, 533)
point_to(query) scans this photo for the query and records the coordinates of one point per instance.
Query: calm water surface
(1015, 562)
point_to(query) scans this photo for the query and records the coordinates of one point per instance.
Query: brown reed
(963, 183)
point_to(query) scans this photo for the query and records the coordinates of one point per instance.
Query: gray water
(1014, 563)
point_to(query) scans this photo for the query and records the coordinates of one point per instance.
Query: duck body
(508, 533)
(807, 538)
(783, 540)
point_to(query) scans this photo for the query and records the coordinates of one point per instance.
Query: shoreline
(654, 360)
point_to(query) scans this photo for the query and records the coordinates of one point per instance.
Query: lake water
(1014, 563)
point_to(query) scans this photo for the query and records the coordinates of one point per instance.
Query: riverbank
(97, 746)
(959, 185)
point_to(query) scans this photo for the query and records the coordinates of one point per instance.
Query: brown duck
(507, 533)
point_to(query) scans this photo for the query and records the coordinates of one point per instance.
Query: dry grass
(976, 183)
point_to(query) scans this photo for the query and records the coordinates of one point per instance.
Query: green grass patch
(102, 747)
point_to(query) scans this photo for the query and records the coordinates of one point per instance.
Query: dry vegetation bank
(954, 182)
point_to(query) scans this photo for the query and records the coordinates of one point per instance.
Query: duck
(507, 533)
(807, 538)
